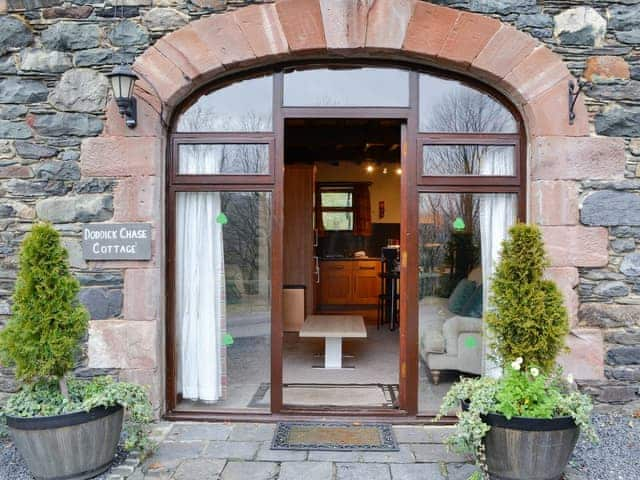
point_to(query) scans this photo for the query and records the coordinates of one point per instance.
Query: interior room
(342, 208)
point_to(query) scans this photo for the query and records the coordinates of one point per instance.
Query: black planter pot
(75, 446)
(528, 448)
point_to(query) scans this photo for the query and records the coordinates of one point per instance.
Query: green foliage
(44, 398)
(527, 318)
(520, 393)
(529, 324)
(523, 394)
(42, 335)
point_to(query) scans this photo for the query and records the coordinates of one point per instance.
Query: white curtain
(497, 215)
(200, 300)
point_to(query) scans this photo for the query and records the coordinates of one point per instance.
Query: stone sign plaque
(117, 241)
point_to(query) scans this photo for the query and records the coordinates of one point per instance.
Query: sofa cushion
(432, 314)
(454, 326)
(473, 307)
(461, 295)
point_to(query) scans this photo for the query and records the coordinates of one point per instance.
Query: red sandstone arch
(524, 70)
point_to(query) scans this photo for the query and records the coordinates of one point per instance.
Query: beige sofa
(449, 341)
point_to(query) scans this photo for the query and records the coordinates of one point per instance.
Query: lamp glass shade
(122, 86)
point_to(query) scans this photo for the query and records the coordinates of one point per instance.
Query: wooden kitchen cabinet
(349, 282)
(366, 282)
(335, 283)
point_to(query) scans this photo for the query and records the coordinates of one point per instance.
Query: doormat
(373, 395)
(344, 437)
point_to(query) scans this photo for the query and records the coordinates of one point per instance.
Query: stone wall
(54, 97)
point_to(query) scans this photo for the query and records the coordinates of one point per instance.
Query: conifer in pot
(63, 427)
(47, 323)
(525, 424)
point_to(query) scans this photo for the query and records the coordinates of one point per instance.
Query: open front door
(408, 267)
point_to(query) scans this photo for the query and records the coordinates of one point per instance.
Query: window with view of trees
(336, 205)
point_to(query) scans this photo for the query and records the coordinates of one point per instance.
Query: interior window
(336, 205)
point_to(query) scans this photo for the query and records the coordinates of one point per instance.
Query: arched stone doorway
(221, 46)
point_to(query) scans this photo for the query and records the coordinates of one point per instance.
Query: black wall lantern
(122, 79)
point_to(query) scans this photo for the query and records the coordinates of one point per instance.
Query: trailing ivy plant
(527, 317)
(522, 393)
(43, 336)
(44, 398)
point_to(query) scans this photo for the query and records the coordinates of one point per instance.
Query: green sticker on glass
(458, 224)
(227, 339)
(222, 218)
(470, 342)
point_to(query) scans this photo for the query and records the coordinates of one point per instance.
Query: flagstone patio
(241, 451)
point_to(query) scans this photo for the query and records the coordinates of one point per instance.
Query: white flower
(515, 365)
(519, 360)
(535, 372)
(569, 379)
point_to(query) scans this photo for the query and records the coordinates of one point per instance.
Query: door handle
(317, 272)
(367, 268)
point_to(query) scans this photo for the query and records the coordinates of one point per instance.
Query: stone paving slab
(421, 433)
(433, 452)
(306, 471)
(171, 454)
(201, 468)
(250, 470)
(266, 454)
(461, 471)
(360, 471)
(404, 455)
(418, 471)
(252, 432)
(321, 456)
(242, 451)
(232, 450)
(200, 431)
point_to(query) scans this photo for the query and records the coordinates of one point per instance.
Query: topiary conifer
(47, 323)
(528, 318)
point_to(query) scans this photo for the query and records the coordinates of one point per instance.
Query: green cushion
(473, 307)
(461, 295)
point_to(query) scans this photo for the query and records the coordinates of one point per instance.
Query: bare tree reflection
(246, 235)
(463, 110)
(448, 249)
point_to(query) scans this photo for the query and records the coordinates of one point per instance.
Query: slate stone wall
(53, 94)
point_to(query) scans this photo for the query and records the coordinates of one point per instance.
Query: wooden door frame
(412, 183)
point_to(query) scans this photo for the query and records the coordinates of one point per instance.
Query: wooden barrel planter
(74, 446)
(529, 448)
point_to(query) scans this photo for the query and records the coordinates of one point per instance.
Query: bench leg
(333, 352)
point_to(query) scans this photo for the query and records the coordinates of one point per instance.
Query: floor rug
(374, 395)
(334, 436)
